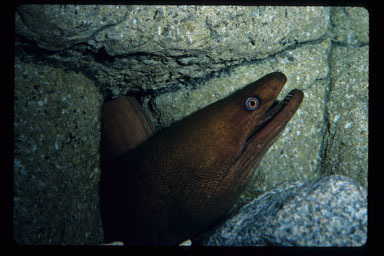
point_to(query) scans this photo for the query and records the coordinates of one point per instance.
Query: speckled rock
(59, 27)
(140, 48)
(345, 149)
(329, 212)
(350, 26)
(56, 157)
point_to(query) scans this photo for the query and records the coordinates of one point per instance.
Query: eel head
(183, 181)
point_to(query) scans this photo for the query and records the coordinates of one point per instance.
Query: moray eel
(181, 182)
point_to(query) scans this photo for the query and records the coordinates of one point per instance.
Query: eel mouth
(277, 116)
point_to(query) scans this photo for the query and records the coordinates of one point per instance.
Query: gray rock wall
(176, 60)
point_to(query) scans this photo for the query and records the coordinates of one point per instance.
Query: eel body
(182, 181)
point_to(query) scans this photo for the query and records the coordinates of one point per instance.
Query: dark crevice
(28, 49)
(329, 133)
(103, 57)
(325, 130)
(342, 44)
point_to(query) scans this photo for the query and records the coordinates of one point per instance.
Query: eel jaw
(275, 118)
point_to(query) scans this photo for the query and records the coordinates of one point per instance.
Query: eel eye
(252, 103)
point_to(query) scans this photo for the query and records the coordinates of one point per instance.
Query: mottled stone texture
(56, 157)
(140, 48)
(176, 60)
(329, 212)
(346, 138)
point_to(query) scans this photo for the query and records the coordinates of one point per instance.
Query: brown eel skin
(181, 182)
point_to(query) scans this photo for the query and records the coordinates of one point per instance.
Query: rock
(350, 26)
(329, 212)
(140, 48)
(56, 157)
(346, 137)
(55, 27)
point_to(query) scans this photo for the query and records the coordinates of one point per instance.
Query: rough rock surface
(350, 26)
(329, 212)
(56, 157)
(139, 48)
(176, 60)
(346, 138)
